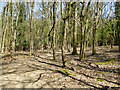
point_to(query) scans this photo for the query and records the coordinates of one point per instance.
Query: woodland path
(19, 70)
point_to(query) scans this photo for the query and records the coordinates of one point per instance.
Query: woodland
(60, 44)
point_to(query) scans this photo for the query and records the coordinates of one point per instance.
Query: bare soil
(19, 70)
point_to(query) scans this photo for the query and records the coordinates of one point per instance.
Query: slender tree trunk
(94, 30)
(42, 39)
(111, 39)
(84, 39)
(63, 44)
(83, 19)
(54, 27)
(119, 41)
(117, 13)
(5, 28)
(81, 41)
(15, 33)
(75, 31)
(31, 27)
(48, 22)
(93, 41)
(81, 33)
(64, 32)
(31, 30)
(13, 43)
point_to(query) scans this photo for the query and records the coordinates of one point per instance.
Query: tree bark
(94, 30)
(75, 31)
(63, 44)
(54, 27)
(13, 31)
(64, 32)
(81, 33)
(31, 27)
(5, 28)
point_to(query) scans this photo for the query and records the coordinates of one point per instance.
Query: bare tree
(31, 26)
(75, 31)
(5, 26)
(54, 27)
(81, 28)
(64, 31)
(96, 11)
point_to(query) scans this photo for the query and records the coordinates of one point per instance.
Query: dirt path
(40, 71)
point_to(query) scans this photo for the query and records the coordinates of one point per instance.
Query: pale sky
(36, 7)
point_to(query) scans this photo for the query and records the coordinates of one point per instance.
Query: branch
(51, 30)
(69, 9)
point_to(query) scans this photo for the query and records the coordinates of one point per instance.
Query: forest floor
(102, 70)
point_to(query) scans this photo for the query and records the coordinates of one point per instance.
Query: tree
(31, 26)
(54, 27)
(81, 28)
(96, 11)
(64, 31)
(12, 27)
(117, 16)
(16, 24)
(75, 31)
(5, 25)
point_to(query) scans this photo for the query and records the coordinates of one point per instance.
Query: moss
(66, 64)
(106, 63)
(100, 79)
(56, 71)
(100, 72)
(74, 74)
(112, 60)
(101, 63)
(43, 52)
(82, 59)
(63, 71)
(67, 60)
(113, 50)
(118, 63)
(31, 54)
(66, 72)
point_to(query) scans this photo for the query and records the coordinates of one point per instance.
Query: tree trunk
(81, 33)
(93, 41)
(4, 31)
(84, 39)
(83, 19)
(5, 28)
(13, 32)
(54, 27)
(31, 27)
(117, 16)
(42, 38)
(75, 31)
(94, 30)
(64, 32)
(119, 41)
(63, 43)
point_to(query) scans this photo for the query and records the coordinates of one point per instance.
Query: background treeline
(30, 26)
